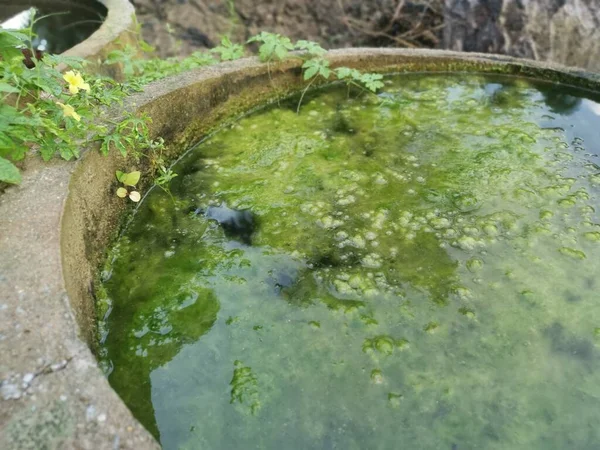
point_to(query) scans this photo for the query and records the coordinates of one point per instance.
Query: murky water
(416, 270)
(57, 27)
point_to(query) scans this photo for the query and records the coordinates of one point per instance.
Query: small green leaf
(310, 72)
(310, 47)
(73, 62)
(372, 81)
(12, 39)
(227, 50)
(325, 72)
(145, 47)
(122, 192)
(9, 172)
(315, 67)
(114, 139)
(345, 73)
(131, 178)
(274, 46)
(65, 152)
(5, 87)
(120, 175)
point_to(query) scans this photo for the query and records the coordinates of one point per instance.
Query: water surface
(58, 26)
(419, 271)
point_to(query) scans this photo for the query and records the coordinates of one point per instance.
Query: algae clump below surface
(416, 269)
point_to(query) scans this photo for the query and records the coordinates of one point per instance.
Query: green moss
(244, 388)
(447, 221)
(573, 253)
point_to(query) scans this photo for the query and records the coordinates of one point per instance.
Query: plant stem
(304, 92)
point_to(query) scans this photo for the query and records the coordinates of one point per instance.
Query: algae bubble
(416, 267)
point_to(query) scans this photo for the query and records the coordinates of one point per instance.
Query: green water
(422, 275)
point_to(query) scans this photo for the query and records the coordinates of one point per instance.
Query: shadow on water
(162, 324)
(560, 102)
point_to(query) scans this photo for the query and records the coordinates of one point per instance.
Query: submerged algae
(409, 277)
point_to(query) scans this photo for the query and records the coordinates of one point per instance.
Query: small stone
(10, 391)
(90, 413)
(28, 378)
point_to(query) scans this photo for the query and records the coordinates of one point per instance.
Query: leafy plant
(372, 81)
(313, 69)
(310, 48)
(227, 50)
(166, 174)
(53, 114)
(127, 56)
(129, 180)
(316, 67)
(9, 172)
(274, 47)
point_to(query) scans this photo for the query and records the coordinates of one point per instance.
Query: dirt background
(177, 27)
(564, 31)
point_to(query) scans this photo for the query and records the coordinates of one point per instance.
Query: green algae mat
(417, 269)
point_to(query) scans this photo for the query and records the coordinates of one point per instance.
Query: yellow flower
(75, 81)
(69, 111)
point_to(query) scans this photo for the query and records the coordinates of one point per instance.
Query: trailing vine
(50, 111)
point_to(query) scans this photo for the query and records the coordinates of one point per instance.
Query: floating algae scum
(418, 270)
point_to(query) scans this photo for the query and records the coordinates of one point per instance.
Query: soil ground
(178, 27)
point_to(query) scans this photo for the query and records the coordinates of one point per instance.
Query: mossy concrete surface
(56, 225)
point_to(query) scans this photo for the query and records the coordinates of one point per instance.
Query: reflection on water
(56, 28)
(418, 268)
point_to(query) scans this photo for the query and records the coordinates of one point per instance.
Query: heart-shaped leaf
(131, 178)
